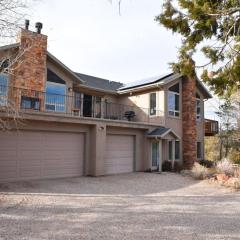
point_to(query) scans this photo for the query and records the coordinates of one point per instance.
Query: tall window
(170, 150)
(55, 97)
(198, 107)
(177, 150)
(199, 150)
(153, 104)
(3, 89)
(173, 101)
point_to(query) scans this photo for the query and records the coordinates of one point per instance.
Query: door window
(155, 154)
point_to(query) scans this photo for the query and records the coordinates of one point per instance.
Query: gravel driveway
(132, 206)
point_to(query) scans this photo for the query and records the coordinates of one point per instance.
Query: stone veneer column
(189, 122)
(30, 70)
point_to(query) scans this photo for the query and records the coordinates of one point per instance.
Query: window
(198, 107)
(170, 150)
(155, 154)
(177, 150)
(173, 101)
(3, 89)
(30, 103)
(199, 150)
(153, 103)
(55, 97)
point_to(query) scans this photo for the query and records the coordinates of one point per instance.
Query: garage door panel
(119, 154)
(29, 154)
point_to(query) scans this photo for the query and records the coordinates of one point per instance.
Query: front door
(155, 155)
(87, 105)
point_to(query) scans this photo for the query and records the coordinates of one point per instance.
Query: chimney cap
(27, 23)
(39, 27)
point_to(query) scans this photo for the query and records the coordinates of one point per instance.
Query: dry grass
(199, 172)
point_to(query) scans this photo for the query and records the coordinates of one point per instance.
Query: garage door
(26, 155)
(119, 157)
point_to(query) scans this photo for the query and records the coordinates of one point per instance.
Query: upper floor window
(55, 97)
(174, 101)
(3, 89)
(198, 107)
(153, 104)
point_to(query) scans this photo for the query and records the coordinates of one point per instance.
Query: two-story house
(73, 124)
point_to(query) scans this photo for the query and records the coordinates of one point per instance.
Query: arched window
(174, 101)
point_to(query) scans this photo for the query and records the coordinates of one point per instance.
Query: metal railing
(76, 105)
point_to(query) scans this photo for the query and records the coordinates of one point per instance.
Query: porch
(75, 104)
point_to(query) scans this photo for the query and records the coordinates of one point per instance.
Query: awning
(162, 132)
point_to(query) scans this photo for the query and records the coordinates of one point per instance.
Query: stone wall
(30, 70)
(189, 122)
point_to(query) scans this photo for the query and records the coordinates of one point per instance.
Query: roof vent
(39, 27)
(27, 22)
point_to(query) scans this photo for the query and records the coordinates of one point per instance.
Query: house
(78, 125)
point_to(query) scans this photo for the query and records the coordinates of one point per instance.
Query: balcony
(211, 127)
(76, 105)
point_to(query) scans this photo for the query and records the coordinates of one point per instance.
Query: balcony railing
(211, 127)
(76, 105)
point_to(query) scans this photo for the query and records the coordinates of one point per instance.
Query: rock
(233, 182)
(222, 178)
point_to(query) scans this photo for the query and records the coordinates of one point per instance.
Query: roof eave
(64, 67)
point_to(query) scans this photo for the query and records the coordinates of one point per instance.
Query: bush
(199, 172)
(225, 166)
(206, 163)
(237, 173)
(167, 166)
(178, 167)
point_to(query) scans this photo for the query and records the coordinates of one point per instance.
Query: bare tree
(12, 13)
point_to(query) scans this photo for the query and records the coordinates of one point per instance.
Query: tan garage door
(119, 157)
(26, 155)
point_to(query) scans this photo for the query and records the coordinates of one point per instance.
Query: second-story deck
(76, 105)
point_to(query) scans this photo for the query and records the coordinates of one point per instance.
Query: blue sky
(90, 37)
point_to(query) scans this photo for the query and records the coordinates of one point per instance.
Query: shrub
(237, 173)
(199, 172)
(225, 166)
(167, 166)
(178, 167)
(206, 163)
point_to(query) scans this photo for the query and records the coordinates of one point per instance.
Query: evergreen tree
(213, 25)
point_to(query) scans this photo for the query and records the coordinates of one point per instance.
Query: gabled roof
(6, 47)
(161, 132)
(99, 83)
(58, 62)
(146, 81)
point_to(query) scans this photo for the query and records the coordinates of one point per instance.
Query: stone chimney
(189, 122)
(30, 68)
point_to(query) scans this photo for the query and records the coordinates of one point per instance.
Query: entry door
(87, 105)
(155, 155)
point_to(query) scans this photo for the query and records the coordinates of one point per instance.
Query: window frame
(198, 106)
(179, 154)
(170, 158)
(154, 110)
(55, 104)
(175, 113)
(4, 96)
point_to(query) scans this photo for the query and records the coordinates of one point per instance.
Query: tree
(12, 13)
(228, 128)
(213, 25)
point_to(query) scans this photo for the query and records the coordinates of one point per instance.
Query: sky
(90, 37)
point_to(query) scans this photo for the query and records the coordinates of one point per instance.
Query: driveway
(132, 206)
